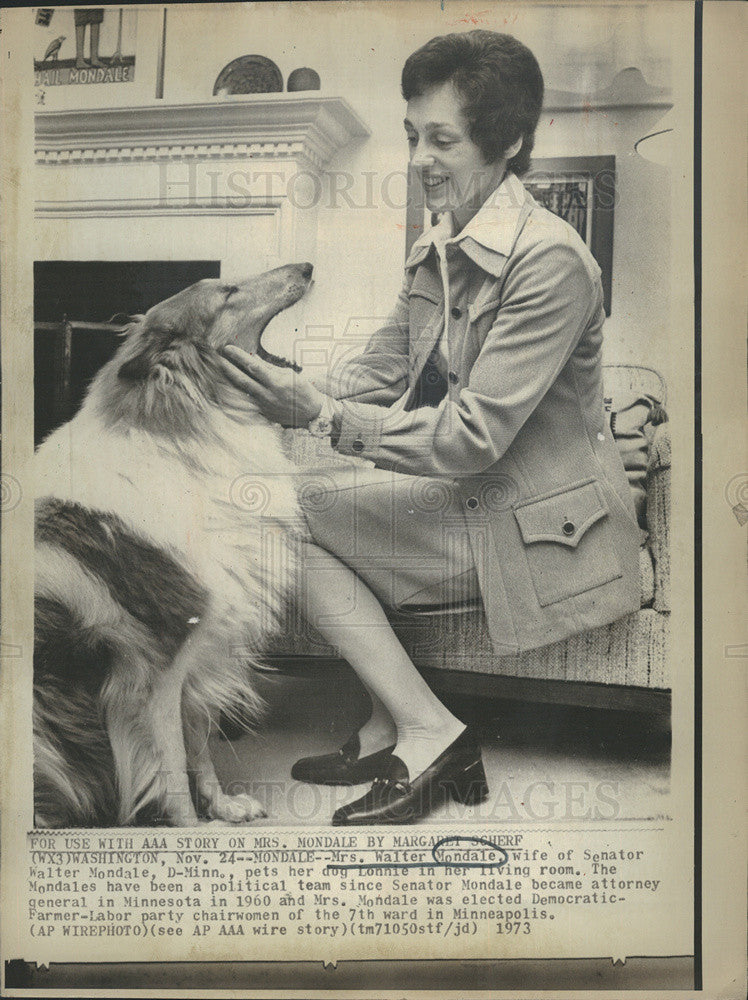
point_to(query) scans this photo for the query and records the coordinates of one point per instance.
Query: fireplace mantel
(237, 180)
(308, 129)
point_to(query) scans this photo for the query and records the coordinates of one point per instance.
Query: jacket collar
(489, 237)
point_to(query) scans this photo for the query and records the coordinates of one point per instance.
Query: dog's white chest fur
(223, 507)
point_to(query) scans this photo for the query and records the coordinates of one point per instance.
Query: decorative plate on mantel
(249, 75)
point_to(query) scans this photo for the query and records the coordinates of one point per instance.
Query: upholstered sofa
(622, 665)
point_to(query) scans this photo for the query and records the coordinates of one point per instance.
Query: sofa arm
(658, 513)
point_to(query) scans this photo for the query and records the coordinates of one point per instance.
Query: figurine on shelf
(303, 79)
(250, 74)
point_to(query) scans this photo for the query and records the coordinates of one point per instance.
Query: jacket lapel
(503, 226)
(426, 315)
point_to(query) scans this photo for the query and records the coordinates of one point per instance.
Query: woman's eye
(412, 140)
(443, 143)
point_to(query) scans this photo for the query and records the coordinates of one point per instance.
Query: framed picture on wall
(580, 189)
(83, 46)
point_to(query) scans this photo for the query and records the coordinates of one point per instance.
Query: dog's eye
(229, 290)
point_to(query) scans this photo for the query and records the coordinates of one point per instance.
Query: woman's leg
(340, 605)
(379, 729)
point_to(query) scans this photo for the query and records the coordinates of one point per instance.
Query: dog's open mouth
(277, 359)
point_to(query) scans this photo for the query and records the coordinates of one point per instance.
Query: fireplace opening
(74, 305)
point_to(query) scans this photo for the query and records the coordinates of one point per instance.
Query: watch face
(320, 427)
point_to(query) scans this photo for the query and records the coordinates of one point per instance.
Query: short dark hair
(499, 80)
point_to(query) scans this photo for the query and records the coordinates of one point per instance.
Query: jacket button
(358, 445)
(568, 527)
(472, 503)
(456, 312)
(453, 377)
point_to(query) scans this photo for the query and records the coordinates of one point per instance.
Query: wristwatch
(322, 425)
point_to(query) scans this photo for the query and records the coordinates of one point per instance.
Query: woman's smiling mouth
(431, 183)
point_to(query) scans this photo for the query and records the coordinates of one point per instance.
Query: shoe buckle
(402, 786)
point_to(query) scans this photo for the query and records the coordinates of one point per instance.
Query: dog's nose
(306, 269)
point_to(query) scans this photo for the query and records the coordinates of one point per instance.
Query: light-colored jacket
(521, 431)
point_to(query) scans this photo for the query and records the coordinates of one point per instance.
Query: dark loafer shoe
(456, 773)
(342, 768)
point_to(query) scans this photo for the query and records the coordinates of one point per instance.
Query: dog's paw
(236, 808)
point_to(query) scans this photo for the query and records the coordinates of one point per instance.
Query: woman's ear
(511, 151)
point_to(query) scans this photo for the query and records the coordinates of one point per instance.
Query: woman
(483, 390)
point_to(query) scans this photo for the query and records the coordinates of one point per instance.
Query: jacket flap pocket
(561, 517)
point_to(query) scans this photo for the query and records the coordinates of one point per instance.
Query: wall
(358, 50)
(636, 330)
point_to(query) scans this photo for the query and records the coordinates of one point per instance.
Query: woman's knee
(315, 559)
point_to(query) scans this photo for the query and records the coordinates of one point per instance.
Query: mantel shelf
(311, 128)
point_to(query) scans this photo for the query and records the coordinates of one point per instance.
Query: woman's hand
(283, 396)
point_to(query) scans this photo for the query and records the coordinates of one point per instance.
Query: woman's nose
(422, 158)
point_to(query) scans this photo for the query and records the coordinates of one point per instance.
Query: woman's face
(451, 167)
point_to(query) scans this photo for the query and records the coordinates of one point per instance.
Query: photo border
(21, 975)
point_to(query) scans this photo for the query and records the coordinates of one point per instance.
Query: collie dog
(158, 574)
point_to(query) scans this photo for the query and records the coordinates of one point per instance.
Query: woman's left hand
(283, 396)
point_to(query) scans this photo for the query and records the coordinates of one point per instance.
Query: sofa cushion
(647, 576)
(630, 651)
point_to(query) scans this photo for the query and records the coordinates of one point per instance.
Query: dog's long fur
(161, 565)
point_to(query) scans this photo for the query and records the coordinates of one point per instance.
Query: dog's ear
(126, 320)
(150, 343)
(178, 362)
(136, 369)
(152, 363)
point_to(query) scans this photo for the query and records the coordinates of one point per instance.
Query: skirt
(404, 536)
